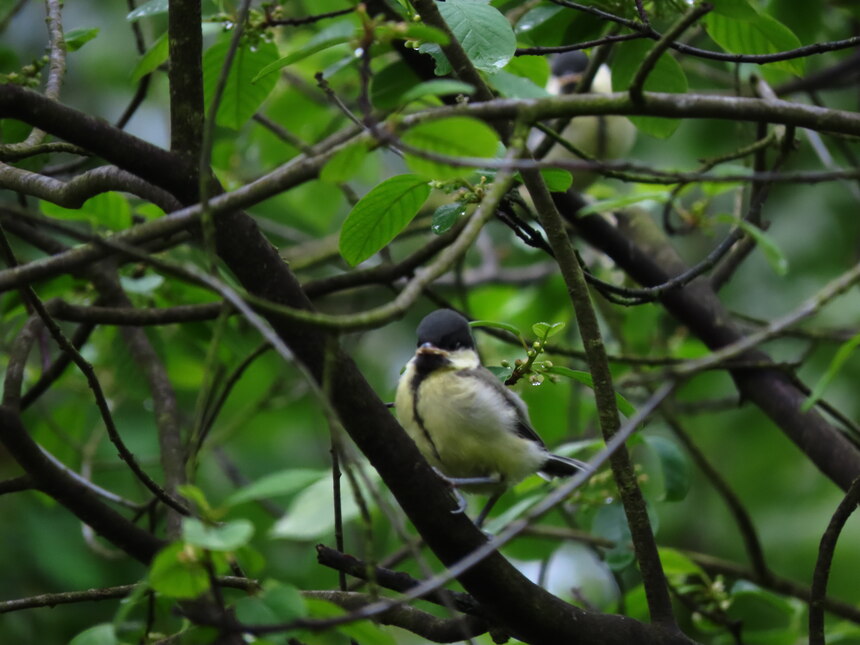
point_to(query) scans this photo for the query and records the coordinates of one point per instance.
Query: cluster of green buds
(535, 370)
(27, 76)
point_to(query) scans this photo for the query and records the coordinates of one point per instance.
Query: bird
(472, 429)
(600, 137)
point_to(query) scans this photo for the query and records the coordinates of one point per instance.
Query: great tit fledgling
(466, 423)
(601, 137)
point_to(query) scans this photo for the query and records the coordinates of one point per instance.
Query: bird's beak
(566, 83)
(430, 348)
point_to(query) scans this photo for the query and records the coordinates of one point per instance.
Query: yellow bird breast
(464, 428)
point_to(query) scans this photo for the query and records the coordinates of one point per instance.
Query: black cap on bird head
(574, 62)
(567, 70)
(445, 329)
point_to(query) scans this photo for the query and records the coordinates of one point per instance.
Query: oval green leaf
(389, 84)
(544, 330)
(380, 216)
(772, 253)
(103, 634)
(106, 210)
(77, 38)
(151, 8)
(674, 466)
(310, 516)
(497, 325)
(483, 31)
(446, 216)
(296, 56)
(335, 34)
(154, 56)
(241, 96)
(760, 34)
(457, 136)
(225, 537)
(345, 163)
(285, 482)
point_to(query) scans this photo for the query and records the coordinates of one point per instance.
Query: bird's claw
(452, 484)
(461, 502)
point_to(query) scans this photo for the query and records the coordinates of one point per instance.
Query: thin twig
(825, 557)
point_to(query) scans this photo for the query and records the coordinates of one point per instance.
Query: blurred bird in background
(597, 137)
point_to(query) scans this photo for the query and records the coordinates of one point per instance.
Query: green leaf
(500, 372)
(544, 330)
(426, 33)
(107, 210)
(457, 136)
(77, 38)
(674, 466)
(557, 180)
(760, 34)
(196, 496)
(296, 56)
(284, 482)
(278, 603)
(624, 406)
(336, 34)
(443, 67)
(534, 68)
(151, 8)
(772, 253)
(311, 514)
(128, 604)
(676, 563)
(345, 163)
(515, 87)
(768, 619)
(617, 203)
(362, 631)
(803, 18)
(483, 31)
(610, 522)
(666, 76)
(177, 572)
(497, 325)
(845, 350)
(225, 537)
(388, 85)
(154, 56)
(740, 9)
(446, 216)
(436, 87)
(103, 634)
(241, 97)
(380, 216)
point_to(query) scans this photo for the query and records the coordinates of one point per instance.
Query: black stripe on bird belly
(425, 364)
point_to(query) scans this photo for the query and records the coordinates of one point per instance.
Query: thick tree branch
(185, 72)
(645, 546)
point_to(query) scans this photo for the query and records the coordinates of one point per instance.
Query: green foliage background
(272, 422)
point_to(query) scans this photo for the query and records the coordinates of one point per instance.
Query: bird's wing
(524, 427)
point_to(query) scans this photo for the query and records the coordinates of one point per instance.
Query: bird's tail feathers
(558, 466)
